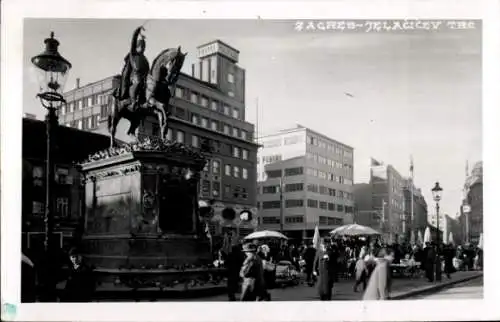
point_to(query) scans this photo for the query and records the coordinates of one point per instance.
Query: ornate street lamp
(436, 195)
(52, 71)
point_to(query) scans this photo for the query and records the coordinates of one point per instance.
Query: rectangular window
(89, 123)
(294, 171)
(62, 207)
(236, 172)
(294, 219)
(230, 78)
(169, 134)
(340, 208)
(179, 92)
(235, 132)
(270, 220)
(270, 189)
(236, 152)
(244, 154)
(331, 192)
(205, 188)
(276, 204)
(311, 203)
(71, 107)
(227, 109)
(294, 187)
(227, 129)
(204, 101)
(194, 98)
(62, 175)
(180, 137)
(38, 208)
(204, 122)
(216, 189)
(227, 190)
(80, 124)
(230, 94)
(322, 205)
(227, 170)
(89, 101)
(274, 173)
(236, 113)
(195, 141)
(214, 105)
(80, 104)
(214, 126)
(294, 203)
(331, 206)
(215, 167)
(323, 190)
(194, 119)
(243, 134)
(312, 188)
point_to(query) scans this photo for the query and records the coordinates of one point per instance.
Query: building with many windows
(315, 175)
(420, 214)
(208, 109)
(388, 198)
(471, 221)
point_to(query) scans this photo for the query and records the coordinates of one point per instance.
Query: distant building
(472, 221)
(388, 198)
(208, 109)
(364, 213)
(71, 145)
(316, 173)
(420, 213)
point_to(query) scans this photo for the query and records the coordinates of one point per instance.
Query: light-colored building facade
(316, 174)
(420, 214)
(471, 220)
(388, 199)
(208, 108)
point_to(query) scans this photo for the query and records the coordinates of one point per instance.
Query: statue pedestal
(142, 228)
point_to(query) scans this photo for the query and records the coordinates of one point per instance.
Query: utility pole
(412, 218)
(281, 203)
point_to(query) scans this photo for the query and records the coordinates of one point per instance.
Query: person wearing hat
(80, 284)
(324, 267)
(253, 285)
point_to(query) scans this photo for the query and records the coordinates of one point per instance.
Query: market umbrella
(316, 238)
(420, 239)
(266, 234)
(480, 244)
(427, 235)
(412, 237)
(450, 239)
(354, 230)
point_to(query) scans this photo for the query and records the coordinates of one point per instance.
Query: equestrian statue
(143, 90)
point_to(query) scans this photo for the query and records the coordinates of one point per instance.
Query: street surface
(468, 290)
(342, 290)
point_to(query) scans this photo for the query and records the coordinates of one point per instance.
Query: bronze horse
(159, 89)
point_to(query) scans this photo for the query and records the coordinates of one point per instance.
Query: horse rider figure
(135, 71)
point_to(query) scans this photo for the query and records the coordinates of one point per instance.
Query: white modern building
(315, 173)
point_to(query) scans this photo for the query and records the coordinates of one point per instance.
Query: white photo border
(12, 15)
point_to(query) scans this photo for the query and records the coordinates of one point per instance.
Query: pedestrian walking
(234, 262)
(430, 261)
(324, 268)
(379, 285)
(309, 255)
(252, 274)
(361, 270)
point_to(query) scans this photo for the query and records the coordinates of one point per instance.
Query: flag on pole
(316, 238)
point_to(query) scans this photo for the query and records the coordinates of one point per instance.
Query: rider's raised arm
(133, 48)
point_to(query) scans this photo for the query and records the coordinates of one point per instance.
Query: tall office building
(388, 198)
(315, 174)
(208, 107)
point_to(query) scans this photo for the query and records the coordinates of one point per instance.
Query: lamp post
(436, 195)
(52, 71)
(466, 211)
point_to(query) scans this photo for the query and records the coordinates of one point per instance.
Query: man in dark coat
(430, 261)
(309, 255)
(252, 274)
(234, 262)
(448, 254)
(324, 268)
(379, 286)
(81, 283)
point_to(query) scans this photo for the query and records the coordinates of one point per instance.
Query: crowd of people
(366, 262)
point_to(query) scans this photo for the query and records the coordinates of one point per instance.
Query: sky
(413, 93)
